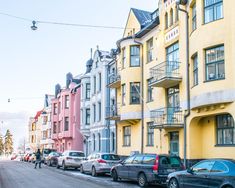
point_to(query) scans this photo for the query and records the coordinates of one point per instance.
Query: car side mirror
(190, 170)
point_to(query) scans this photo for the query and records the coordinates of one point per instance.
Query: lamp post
(183, 3)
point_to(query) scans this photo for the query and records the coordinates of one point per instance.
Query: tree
(1, 145)
(8, 144)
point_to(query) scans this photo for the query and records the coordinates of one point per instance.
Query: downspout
(142, 94)
(187, 85)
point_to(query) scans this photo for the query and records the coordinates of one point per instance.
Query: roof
(144, 17)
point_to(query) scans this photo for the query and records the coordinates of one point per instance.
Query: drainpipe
(187, 80)
(142, 94)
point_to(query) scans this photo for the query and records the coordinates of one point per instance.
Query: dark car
(45, 153)
(147, 168)
(52, 158)
(218, 173)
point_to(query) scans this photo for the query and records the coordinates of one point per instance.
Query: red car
(13, 157)
(27, 156)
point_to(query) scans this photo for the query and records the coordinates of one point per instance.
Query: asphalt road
(15, 174)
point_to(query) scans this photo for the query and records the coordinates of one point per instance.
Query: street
(15, 174)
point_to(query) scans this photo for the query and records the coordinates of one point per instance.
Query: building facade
(153, 88)
(66, 116)
(99, 132)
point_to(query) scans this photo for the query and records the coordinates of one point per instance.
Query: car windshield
(47, 151)
(76, 154)
(170, 161)
(110, 157)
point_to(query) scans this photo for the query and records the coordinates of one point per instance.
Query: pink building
(66, 116)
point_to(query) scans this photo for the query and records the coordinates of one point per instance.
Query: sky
(33, 62)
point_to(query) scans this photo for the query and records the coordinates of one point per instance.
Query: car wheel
(81, 169)
(93, 172)
(64, 166)
(57, 166)
(114, 175)
(173, 183)
(228, 186)
(142, 180)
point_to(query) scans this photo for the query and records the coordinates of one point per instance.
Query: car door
(85, 165)
(123, 169)
(135, 167)
(196, 177)
(217, 174)
(60, 159)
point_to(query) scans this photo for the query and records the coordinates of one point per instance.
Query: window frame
(88, 116)
(123, 57)
(150, 50)
(150, 134)
(133, 93)
(123, 94)
(134, 55)
(66, 99)
(194, 16)
(126, 136)
(149, 90)
(88, 91)
(213, 7)
(66, 124)
(195, 70)
(216, 63)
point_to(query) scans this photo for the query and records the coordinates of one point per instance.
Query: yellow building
(151, 84)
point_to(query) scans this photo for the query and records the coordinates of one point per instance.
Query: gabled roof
(143, 17)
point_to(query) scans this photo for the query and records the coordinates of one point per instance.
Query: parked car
(13, 156)
(52, 158)
(99, 163)
(27, 156)
(32, 158)
(207, 173)
(70, 158)
(45, 153)
(147, 168)
(20, 157)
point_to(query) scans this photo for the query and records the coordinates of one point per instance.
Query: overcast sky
(32, 62)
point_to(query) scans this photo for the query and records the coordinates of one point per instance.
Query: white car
(71, 159)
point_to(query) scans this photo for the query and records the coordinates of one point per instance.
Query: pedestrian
(38, 159)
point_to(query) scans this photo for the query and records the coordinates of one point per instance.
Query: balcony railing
(113, 112)
(114, 80)
(165, 74)
(167, 117)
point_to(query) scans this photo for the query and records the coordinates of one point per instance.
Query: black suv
(147, 168)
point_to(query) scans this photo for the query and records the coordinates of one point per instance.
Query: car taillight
(68, 158)
(101, 161)
(156, 165)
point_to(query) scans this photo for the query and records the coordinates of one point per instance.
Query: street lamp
(187, 114)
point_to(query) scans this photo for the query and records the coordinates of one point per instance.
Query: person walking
(38, 159)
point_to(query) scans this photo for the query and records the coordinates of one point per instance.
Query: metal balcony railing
(113, 112)
(167, 117)
(166, 74)
(114, 80)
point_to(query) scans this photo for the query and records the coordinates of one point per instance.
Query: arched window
(166, 20)
(176, 15)
(93, 142)
(171, 17)
(99, 140)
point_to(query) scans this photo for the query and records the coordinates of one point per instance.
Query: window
(194, 17)
(44, 121)
(59, 130)
(166, 20)
(66, 124)
(150, 50)
(171, 17)
(99, 141)
(94, 113)
(94, 82)
(195, 70)
(66, 101)
(127, 136)
(93, 142)
(215, 63)
(99, 106)
(137, 159)
(203, 167)
(88, 114)
(176, 15)
(123, 94)
(219, 167)
(100, 82)
(150, 134)
(123, 58)
(55, 108)
(213, 10)
(113, 141)
(172, 52)
(54, 127)
(134, 93)
(88, 90)
(149, 91)
(149, 159)
(129, 160)
(225, 130)
(135, 56)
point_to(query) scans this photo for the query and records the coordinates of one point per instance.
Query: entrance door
(174, 143)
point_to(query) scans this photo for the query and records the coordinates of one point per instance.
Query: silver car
(99, 163)
(70, 158)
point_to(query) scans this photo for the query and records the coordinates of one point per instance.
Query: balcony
(167, 118)
(114, 80)
(113, 112)
(165, 74)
